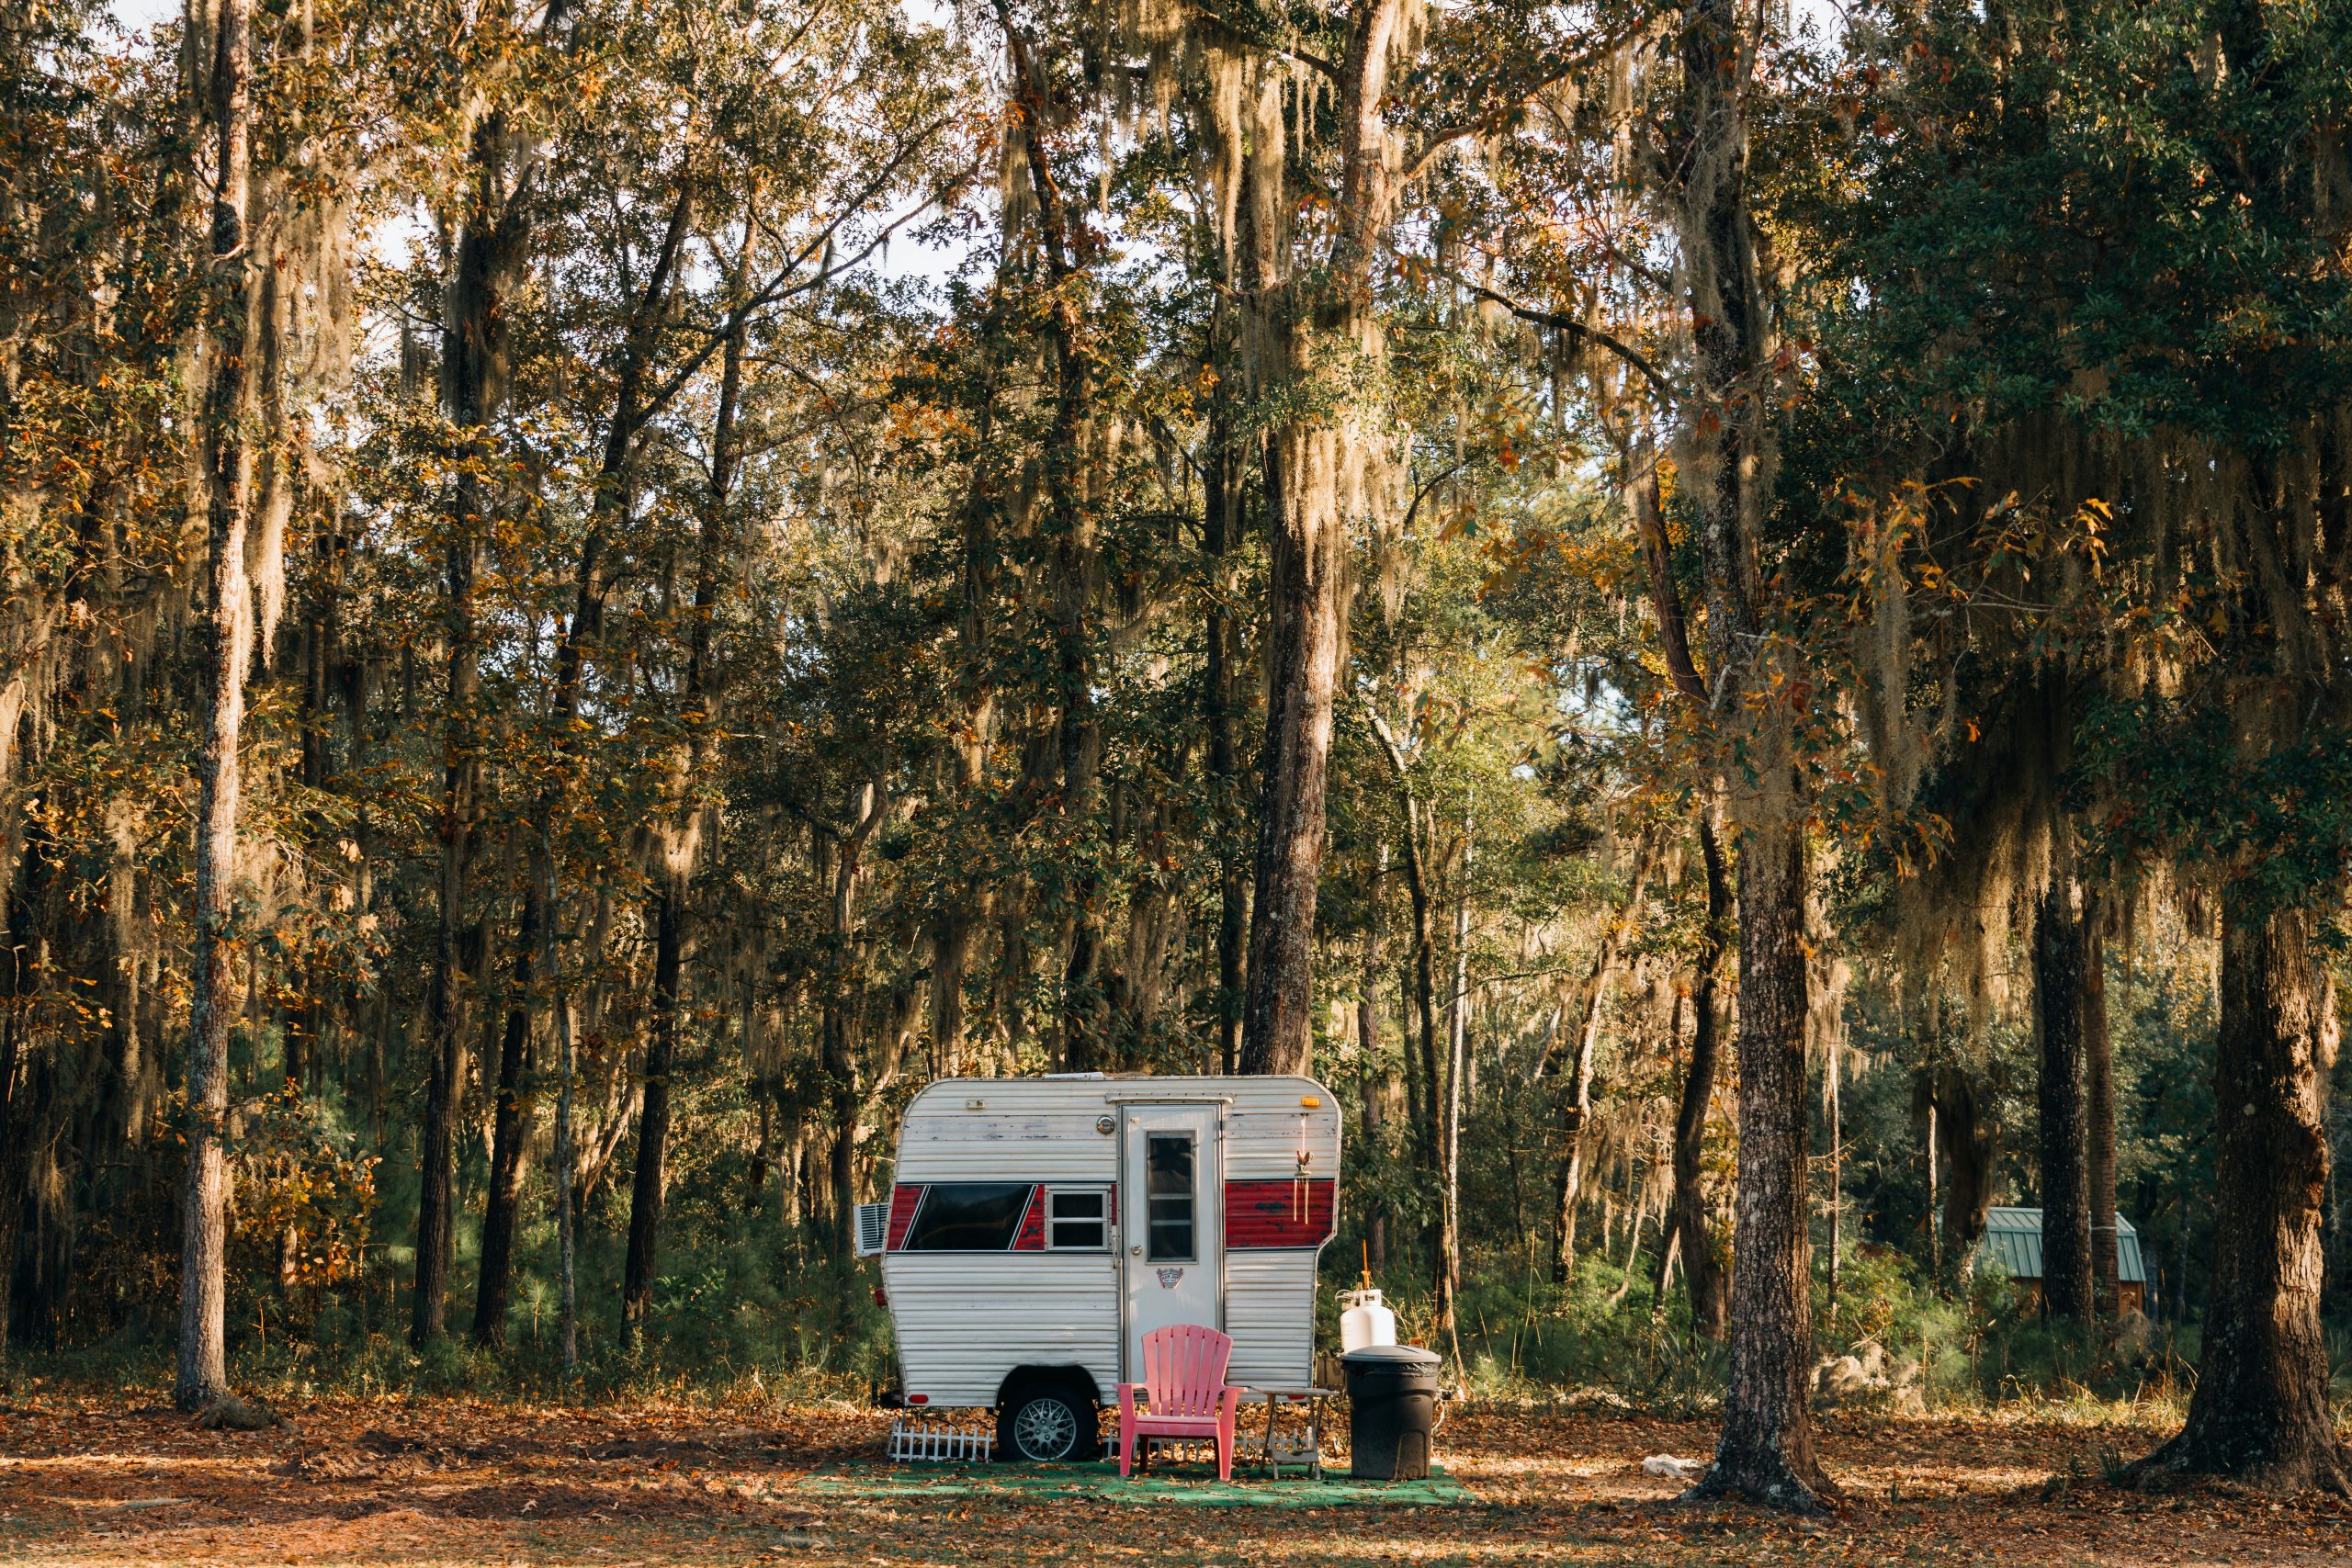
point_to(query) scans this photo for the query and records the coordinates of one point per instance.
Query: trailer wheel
(1046, 1424)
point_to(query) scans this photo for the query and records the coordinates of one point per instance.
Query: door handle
(1136, 1250)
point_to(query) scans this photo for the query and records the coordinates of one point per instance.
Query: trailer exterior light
(918, 1399)
(1312, 1102)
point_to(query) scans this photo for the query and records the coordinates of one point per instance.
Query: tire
(1046, 1424)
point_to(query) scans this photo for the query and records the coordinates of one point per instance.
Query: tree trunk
(2098, 1093)
(1423, 1101)
(756, 1169)
(509, 1131)
(473, 369)
(1305, 633)
(1232, 946)
(843, 1088)
(1575, 1109)
(1062, 242)
(1702, 1270)
(1633, 1255)
(1767, 1451)
(1368, 1062)
(1424, 1003)
(1084, 1016)
(1221, 505)
(679, 847)
(1308, 460)
(841, 1074)
(609, 506)
(1935, 1221)
(19, 962)
(2260, 1412)
(447, 1009)
(792, 1175)
(1411, 1016)
(1426, 1141)
(964, 907)
(951, 959)
(1457, 1035)
(2058, 1020)
(566, 1222)
(203, 1373)
(1961, 1159)
(321, 640)
(648, 1185)
(1836, 1181)
(489, 253)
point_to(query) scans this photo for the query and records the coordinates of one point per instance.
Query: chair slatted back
(1183, 1368)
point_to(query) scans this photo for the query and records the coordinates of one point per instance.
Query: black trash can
(1392, 1408)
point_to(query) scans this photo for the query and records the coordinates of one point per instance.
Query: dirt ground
(459, 1483)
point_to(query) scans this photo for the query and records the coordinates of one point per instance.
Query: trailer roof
(1137, 1086)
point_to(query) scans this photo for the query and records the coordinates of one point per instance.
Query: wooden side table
(1308, 1457)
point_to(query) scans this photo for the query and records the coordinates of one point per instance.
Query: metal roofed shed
(2013, 1239)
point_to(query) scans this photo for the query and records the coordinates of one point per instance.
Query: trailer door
(1172, 1192)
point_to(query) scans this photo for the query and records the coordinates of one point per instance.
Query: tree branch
(1445, 136)
(1558, 321)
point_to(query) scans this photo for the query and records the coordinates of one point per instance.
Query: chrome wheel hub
(1046, 1428)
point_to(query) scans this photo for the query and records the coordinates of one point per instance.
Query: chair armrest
(1127, 1392)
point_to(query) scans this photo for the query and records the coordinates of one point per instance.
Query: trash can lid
(1392, 1356)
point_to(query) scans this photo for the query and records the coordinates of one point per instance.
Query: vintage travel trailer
(1039, 1228)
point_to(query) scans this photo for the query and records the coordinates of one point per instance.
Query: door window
(1169, 1203)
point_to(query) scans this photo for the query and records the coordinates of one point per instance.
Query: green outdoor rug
(1178, 1484)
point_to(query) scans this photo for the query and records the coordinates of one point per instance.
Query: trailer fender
(1040, 1408)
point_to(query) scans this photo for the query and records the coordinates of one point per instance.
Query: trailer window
(967, 1216)
(1076, 1219)
(1167, 1197)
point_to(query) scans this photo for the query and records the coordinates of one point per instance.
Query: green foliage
(1528, 1338)
(2173, 781)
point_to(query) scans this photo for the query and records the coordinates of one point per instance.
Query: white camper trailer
(1039, 1228)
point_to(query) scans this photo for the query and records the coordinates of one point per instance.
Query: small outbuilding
(2013, 1239)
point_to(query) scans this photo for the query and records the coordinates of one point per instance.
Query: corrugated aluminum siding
(965, 1319)
(1270, 1311)
(988, 1145)
(1043, 1129)
(1262, 1129)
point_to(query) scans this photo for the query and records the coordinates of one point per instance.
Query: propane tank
(1366, 1321)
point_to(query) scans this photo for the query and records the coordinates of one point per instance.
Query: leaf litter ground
(450, 1482)
(1187, 1486)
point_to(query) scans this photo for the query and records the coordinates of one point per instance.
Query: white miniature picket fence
(915, 1441)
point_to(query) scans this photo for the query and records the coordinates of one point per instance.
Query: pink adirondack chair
(1184, 1380)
